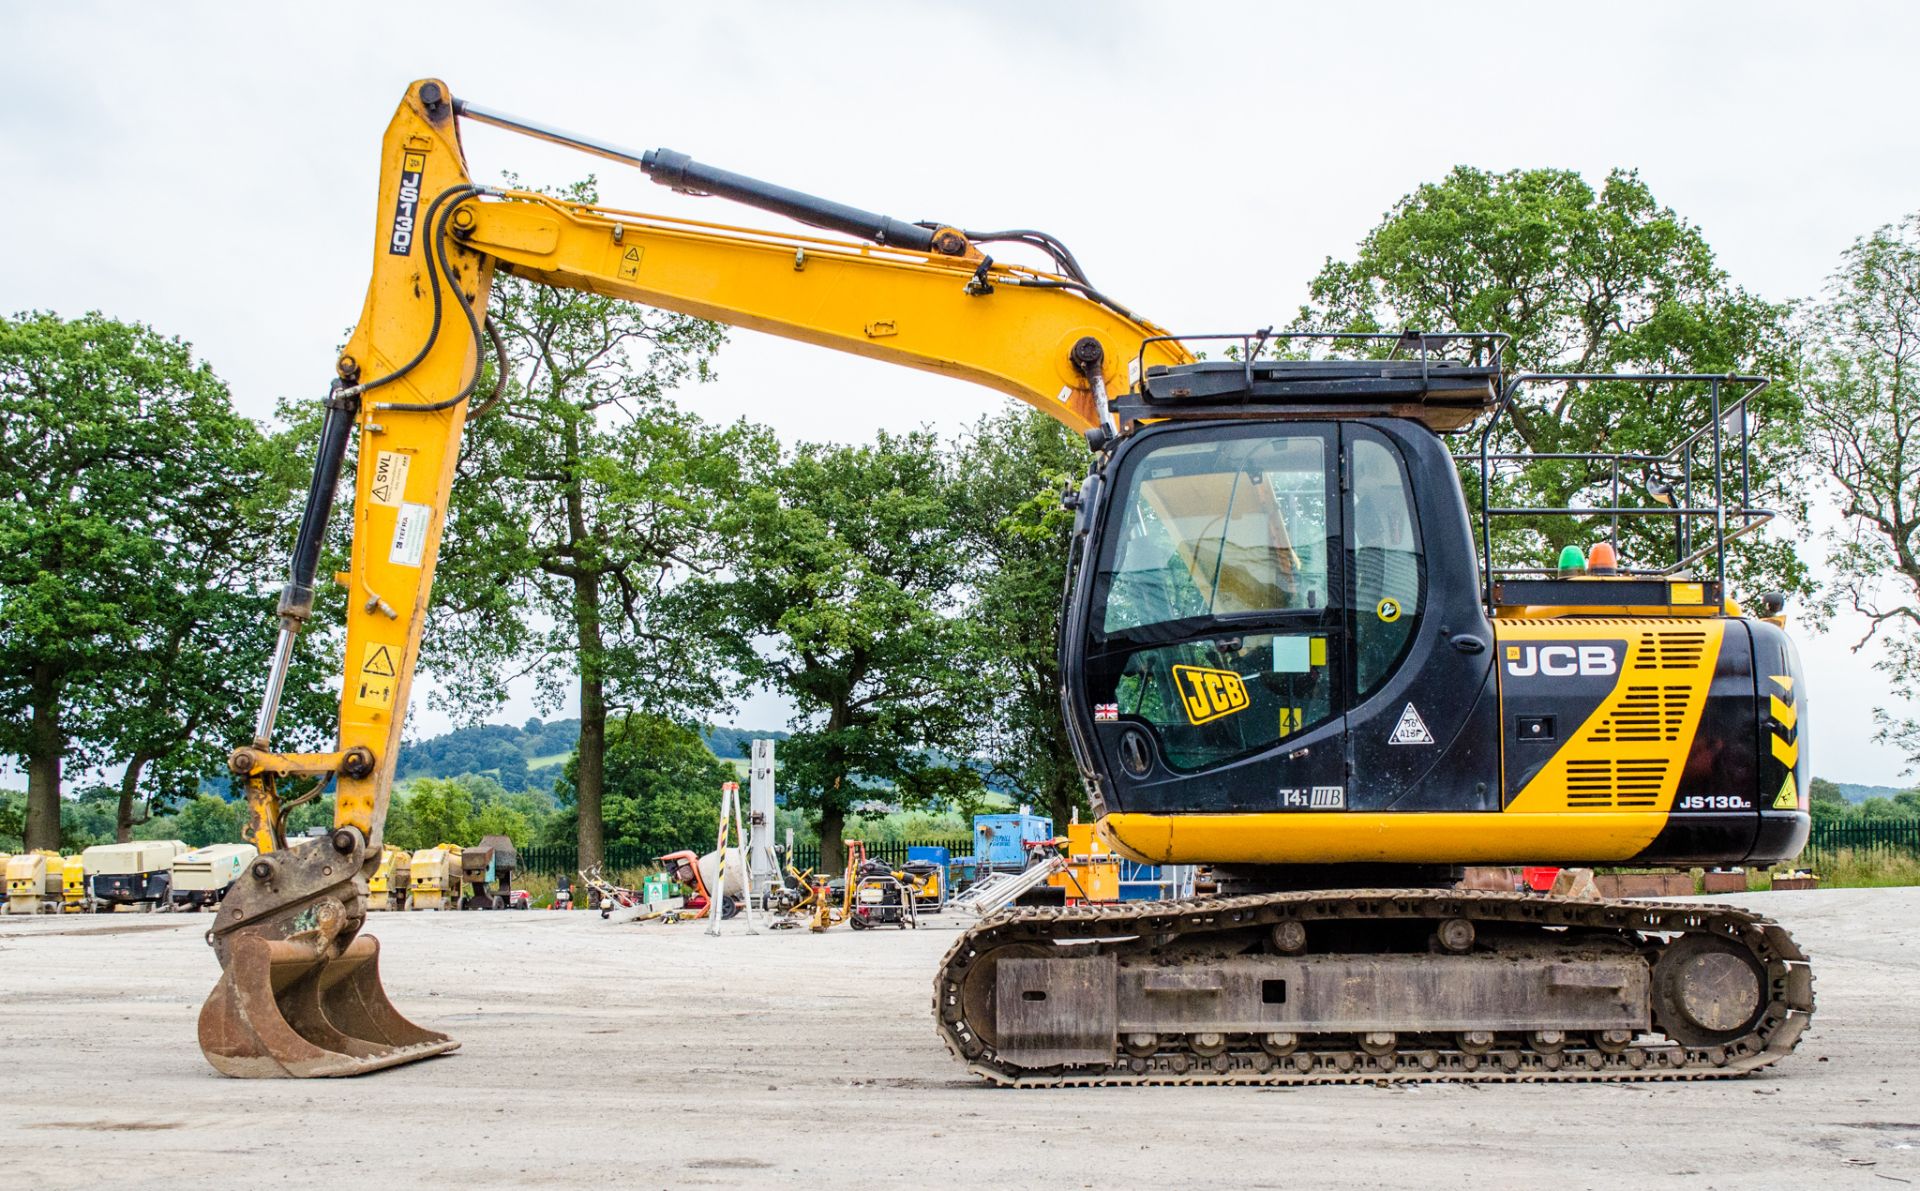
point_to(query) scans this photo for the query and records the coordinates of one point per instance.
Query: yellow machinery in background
(73, 885)
(1092, 875)
(29, 875)
(387, 887)
(434, 878)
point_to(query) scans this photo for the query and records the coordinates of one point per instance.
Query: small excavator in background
(1280, 660)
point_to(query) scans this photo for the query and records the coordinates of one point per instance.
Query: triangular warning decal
(1411, 729)
(379, 661)
(1789, 796)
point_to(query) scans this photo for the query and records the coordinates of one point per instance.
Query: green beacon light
(1572, 562)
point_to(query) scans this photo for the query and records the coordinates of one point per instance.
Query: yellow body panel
(1628, 755)
(29, 875)
(73, 884)
(1482, 837)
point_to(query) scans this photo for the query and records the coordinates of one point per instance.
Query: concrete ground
(633, 1055)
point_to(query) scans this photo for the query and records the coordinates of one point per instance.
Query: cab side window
(1388, 578)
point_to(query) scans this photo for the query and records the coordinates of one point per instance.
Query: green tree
(1826, 802)
(1862, 388)
(13, 820)
(135, 513)
(441, 810)
(1583, 281)
(1011, 472)
(844, 597)
(189, 690)
(87, 818)
(662, 785)
(460, 810)
(208, 820)
(576, 507)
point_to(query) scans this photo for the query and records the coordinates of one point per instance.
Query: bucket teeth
(282, 1010)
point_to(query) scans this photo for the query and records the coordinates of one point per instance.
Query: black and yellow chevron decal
(1785, 739)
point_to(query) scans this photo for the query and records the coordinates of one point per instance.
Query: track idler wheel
(1707, 991)
(299, 994)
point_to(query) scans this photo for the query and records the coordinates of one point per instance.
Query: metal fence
(1866, 835)
(557, 859)
(807, 856)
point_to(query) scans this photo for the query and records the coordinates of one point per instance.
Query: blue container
(940, 856)
(1140, 882)
(998, 839)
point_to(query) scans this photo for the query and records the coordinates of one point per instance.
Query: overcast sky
(210, 169)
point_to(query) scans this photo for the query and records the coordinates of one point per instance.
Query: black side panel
(1443, 690)
(1466, 776)
(1721, 837)
(1714, 818)
(1547, 698)
(1722, 761)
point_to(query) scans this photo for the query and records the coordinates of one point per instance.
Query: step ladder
(1000, 890)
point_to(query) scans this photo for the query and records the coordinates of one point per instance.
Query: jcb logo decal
(1562, 661)
(1209, 694)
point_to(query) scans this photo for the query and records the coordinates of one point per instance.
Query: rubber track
(1787, 1014)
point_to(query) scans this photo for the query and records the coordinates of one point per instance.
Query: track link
(1330, 1058)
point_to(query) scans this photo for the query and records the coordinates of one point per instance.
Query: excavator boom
(300, 993)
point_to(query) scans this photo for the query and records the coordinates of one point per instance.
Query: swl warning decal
(390, 478)
(1411, 729)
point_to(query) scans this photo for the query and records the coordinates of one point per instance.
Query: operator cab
(1279, 605)
(1251, 589)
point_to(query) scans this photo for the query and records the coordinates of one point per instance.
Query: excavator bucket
(281, 1009)
(300, 995)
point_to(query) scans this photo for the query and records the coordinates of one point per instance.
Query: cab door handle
(1468, 643)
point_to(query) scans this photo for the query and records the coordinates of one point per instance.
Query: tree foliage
(662, 786)
(208, 820)
(137, 514)
(843, 597)
(1583, 281)
(1862, 390)
(583, 499)
(1011, 471)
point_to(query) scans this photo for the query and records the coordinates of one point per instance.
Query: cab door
(1214, 656)
(1423, 718)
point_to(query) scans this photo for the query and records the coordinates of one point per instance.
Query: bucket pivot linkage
(299, 993)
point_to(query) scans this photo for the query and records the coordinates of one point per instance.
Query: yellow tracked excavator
(1287, 655)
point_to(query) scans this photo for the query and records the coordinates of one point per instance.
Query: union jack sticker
(1106, 713)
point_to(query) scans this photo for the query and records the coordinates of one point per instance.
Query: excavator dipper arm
(300, 993)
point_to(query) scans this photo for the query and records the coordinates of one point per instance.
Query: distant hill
(735, 744)
(532, 755)
(1854, 792)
